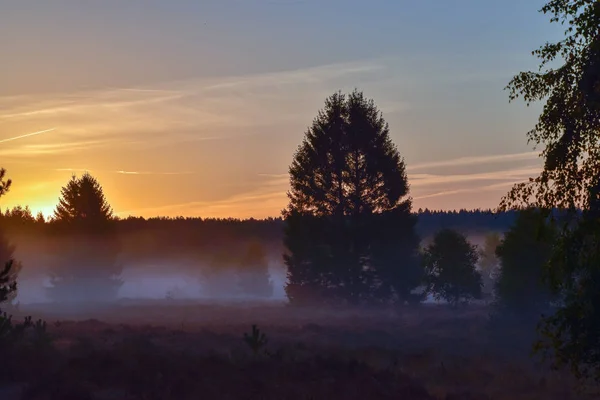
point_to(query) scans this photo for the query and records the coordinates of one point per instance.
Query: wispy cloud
(465, 161)
(194, 104)
(35, 150)
(481, 188)
(152, 173)
(419, 180)
(26, 135)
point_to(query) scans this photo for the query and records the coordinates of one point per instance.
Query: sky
(195, 108)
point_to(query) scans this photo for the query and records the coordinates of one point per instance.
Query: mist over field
(176, 280)
(138, 283)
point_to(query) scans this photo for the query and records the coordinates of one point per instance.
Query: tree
(8, 277)
(40, 219)
(86, 268)
(83, 203)
(8, 281)
(523, 254)
(218, 279)
(569, 128)
(8, 285)
(349, 232)
(254, 278)
(450, 262)
(488, 262)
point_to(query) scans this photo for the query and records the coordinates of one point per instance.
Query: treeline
(195, 230)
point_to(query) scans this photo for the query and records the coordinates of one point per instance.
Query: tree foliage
(253, 271)
(218, 279)
(86, 267)
(523, 254)
(349, 232)
(8, 274)
(450, 263)
(569, 130)
(82, 203)
(5, 183)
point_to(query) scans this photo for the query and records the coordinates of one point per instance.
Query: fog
(163, 281)
(144, 282)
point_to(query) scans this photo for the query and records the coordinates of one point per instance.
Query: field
(191, 350)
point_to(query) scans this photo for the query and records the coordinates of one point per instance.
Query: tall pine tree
(349, 231)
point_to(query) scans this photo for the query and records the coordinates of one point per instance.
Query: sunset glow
(209, 129)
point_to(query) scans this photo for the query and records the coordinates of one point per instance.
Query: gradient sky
(191, 107)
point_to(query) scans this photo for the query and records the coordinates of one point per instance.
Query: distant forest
(21, 219)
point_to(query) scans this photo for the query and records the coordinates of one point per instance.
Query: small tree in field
(450, 262)
(253, 272)
(86, 267)
(218, 278)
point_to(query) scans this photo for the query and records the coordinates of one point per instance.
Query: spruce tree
(86, 267)
(349, 232)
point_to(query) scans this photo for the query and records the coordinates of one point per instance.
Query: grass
(141, 350)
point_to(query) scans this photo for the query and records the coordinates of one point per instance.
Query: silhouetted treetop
(4, 183)
(347, 163)
(8, 274)
(569, 125)
(569, 129)
(82, 200)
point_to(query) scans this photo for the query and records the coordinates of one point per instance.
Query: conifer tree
(9, 270)
(86, 267)
(349, 232)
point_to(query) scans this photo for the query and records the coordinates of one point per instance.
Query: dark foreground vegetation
(190, 351)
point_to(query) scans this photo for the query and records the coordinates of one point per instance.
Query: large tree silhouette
(86, 267)
(349, 233)
(569, 130)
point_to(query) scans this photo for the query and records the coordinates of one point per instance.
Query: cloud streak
(496, 186)
(466, 161)
(419, 180)
(27, 135)
(152, 173)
